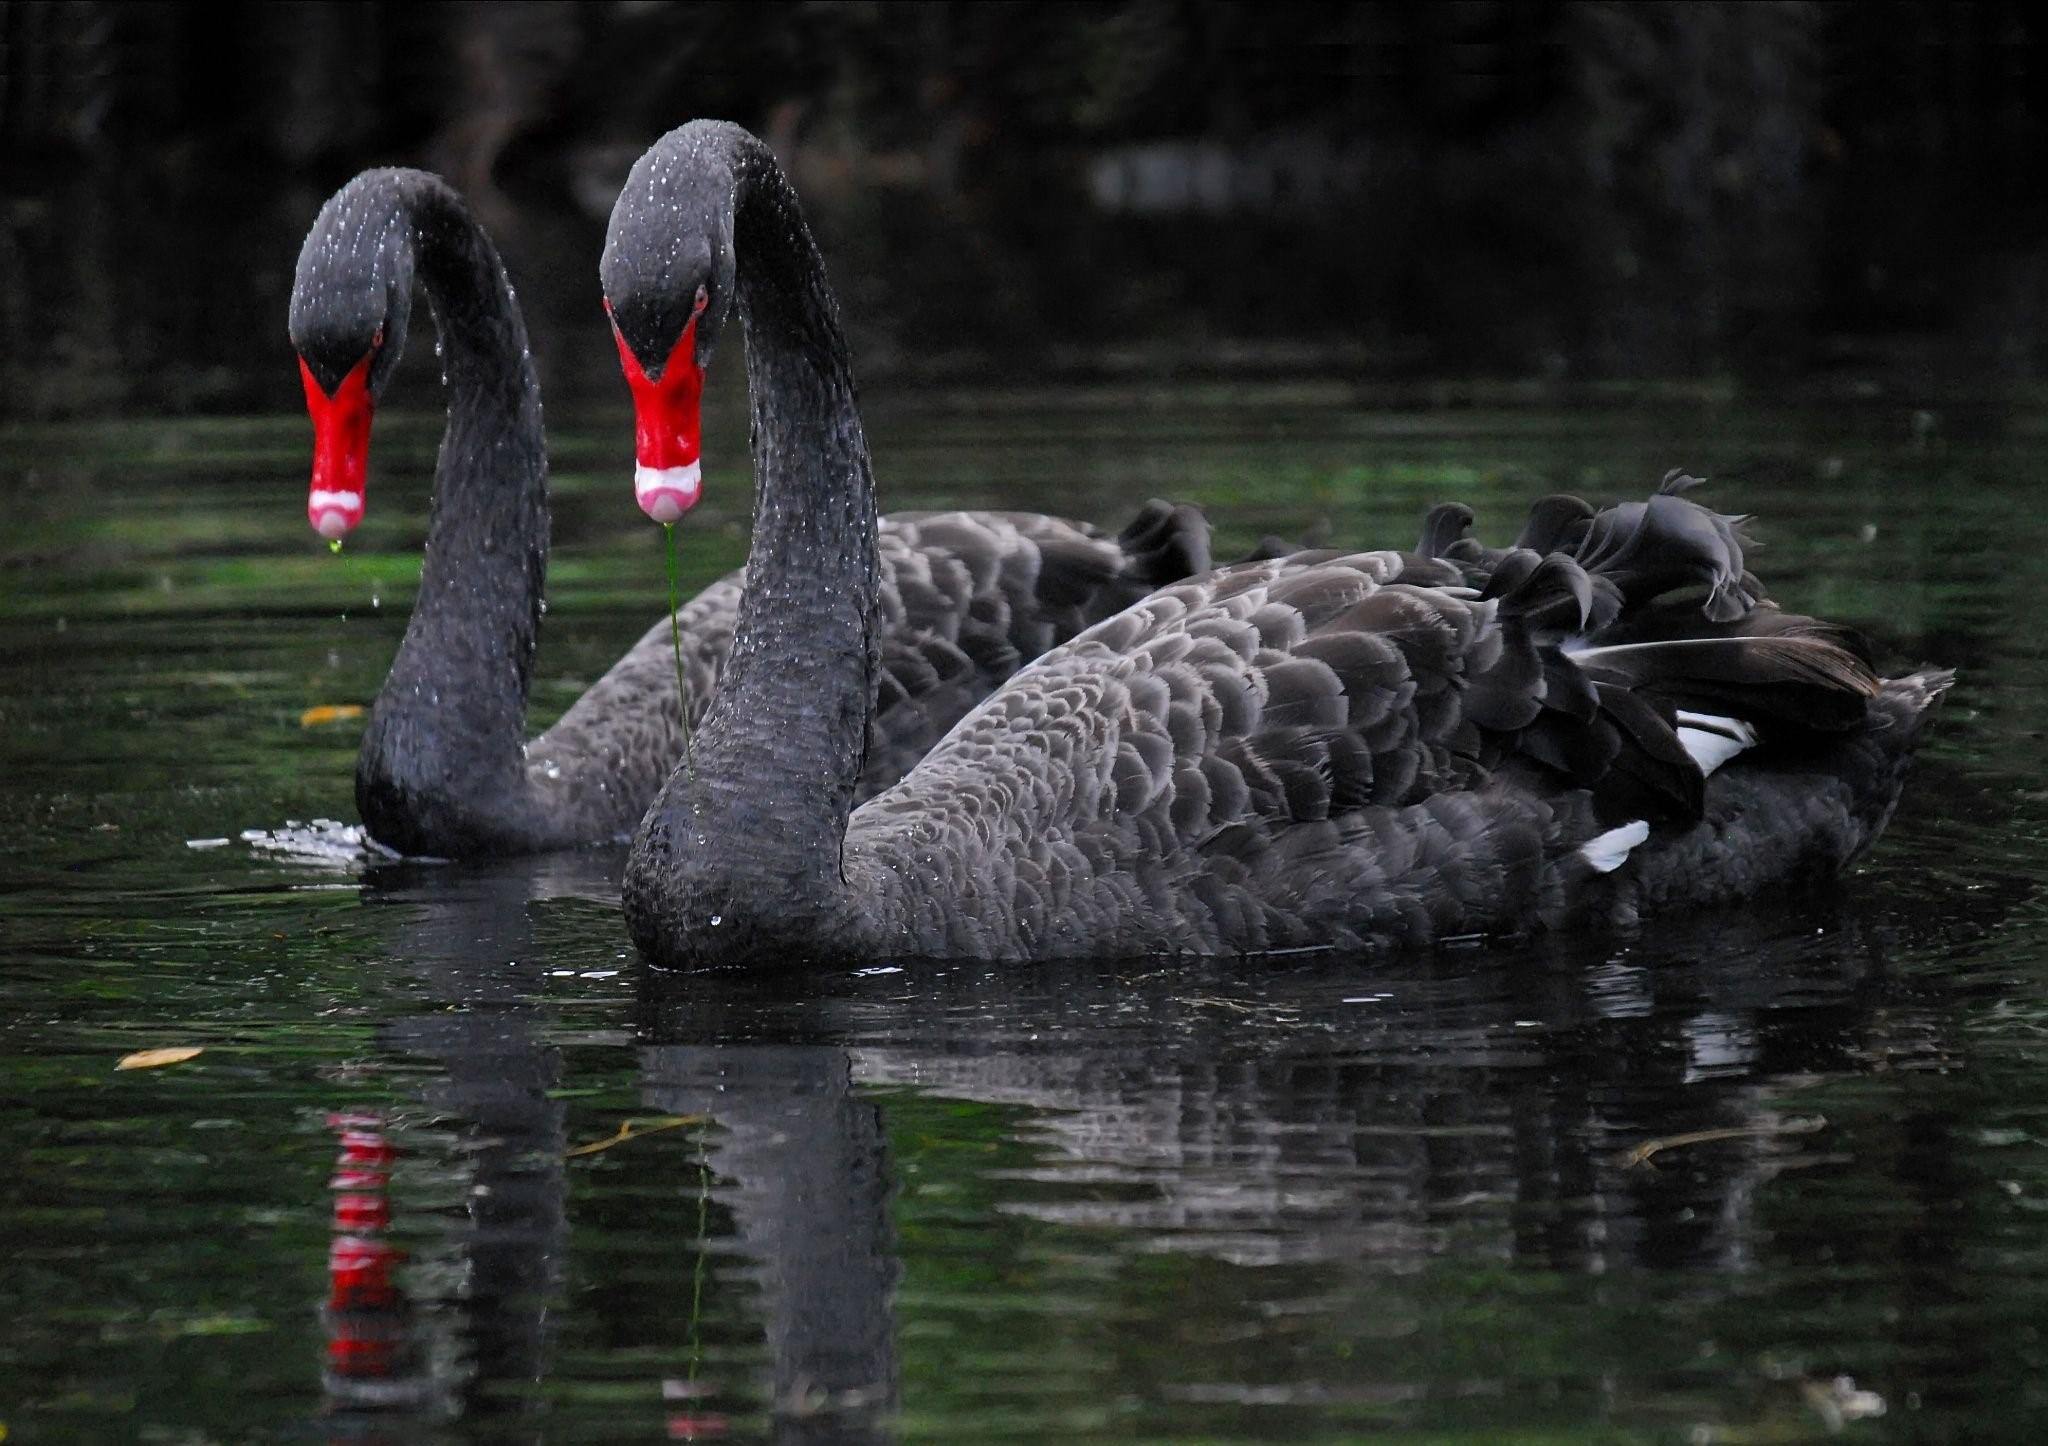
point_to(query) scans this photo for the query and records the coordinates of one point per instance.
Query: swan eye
(377, 340)
(703, 299)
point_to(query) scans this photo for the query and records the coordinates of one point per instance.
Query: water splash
(323, 843)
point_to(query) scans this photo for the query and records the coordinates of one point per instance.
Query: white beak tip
(666, 493)
(334, 514)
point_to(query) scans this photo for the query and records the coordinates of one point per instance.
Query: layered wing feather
(967, 598)
(1331, 750)
(1276, 754)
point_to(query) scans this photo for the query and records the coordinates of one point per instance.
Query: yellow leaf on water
(635, 1129)
(1791, 1125)
(329, 713)
(157, 1058)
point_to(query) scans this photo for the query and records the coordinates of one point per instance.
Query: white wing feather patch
(1609, 851)
(1712, 740)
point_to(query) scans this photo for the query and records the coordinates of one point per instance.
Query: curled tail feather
(1164, 543)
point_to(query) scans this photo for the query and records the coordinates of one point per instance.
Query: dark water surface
(1750, 1178)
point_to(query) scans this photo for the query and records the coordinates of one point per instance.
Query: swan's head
(668, 288)
(351, 302)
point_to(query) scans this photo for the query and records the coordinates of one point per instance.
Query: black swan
(1314, 751)
(446, 768)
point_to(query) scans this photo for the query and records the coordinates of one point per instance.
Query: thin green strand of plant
(697, 1271)
(675, 637)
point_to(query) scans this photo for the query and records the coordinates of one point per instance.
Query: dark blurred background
(1845, 198)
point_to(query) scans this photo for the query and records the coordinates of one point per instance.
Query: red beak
(359, 1273)
(668, 426)
(341, 449)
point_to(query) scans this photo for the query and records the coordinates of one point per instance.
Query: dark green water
(1126, 1203)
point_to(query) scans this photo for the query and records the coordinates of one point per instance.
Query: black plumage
(1334, 750)
(446, 767)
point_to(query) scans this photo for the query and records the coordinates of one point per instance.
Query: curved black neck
(783, 745)
(441, 763)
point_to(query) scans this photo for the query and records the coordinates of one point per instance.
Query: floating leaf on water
(329, 713)
(220, 1324)
(634, 1129)
(158, 1058)
(1797, 1125)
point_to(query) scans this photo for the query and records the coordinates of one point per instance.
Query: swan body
(446, 767)
(1280, 756)
(1318, 750)
(1348, 752)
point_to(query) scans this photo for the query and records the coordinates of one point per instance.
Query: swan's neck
(783, 745)
(452, 714)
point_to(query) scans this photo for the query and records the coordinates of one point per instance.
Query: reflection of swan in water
(1373, 1123)
(1368, 1147)
(492, 1129)
(1434, 1111)
(1326, 1115)
(800, 1175)
(801, 1162)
